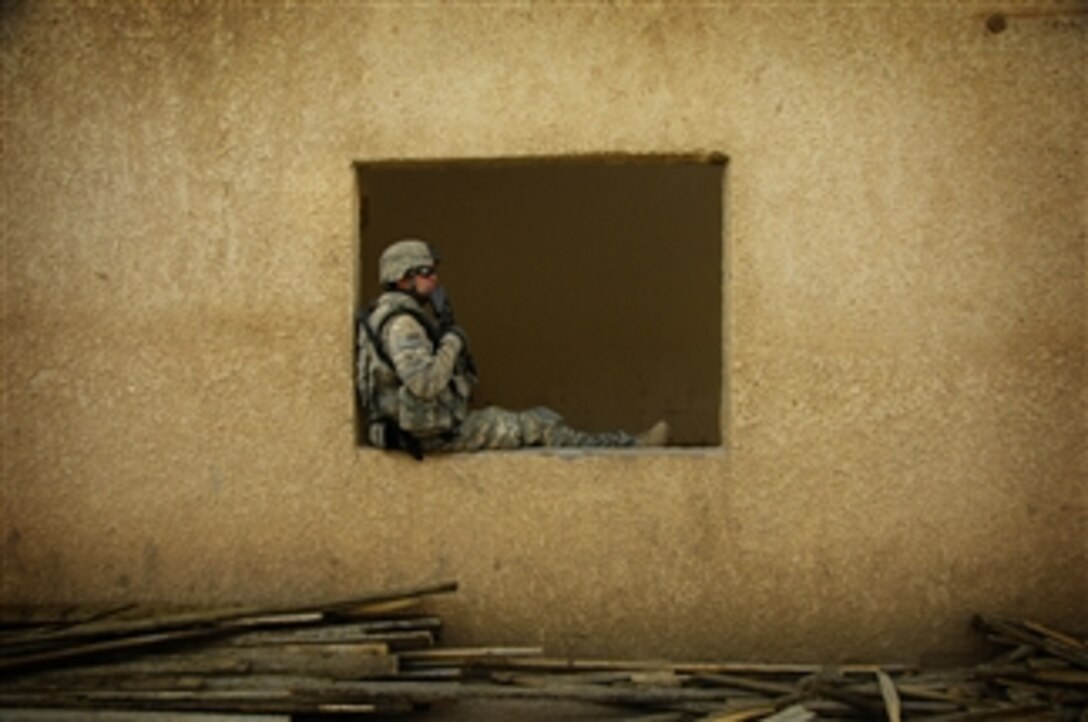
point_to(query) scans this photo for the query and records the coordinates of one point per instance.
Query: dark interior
(592, 286)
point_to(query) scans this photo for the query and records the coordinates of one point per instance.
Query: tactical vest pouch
(398, 417)
(425, 418)
(387, 435)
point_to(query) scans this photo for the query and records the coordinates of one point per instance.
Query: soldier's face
(425, 285)
(422, 285)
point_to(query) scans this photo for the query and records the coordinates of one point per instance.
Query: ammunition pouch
(387, 434)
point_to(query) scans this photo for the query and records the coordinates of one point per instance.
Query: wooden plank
(150, 666)
(377, 609)
(221, 701)
(1070, 677)
(406, 640)
(432, 674)
(793, 713)
(87, 715)
(25, 662)
(445, 655)
(753, 685)
(334, 632)
(942, 693)
(352, 708)
(1014, 655)
(278, 684)
(692, 668)
(890, 695)
(331, 662)
(398, 641)
(284, 619)
(27, 616)
(452, 691)
(1056, 636)
(337, 662)
(743, 714)
(160, 701)
(241, 616)
(658, 678)
(379, 693)
(825, 687)
(542, 678)
(1064, 677)
(1028, 711)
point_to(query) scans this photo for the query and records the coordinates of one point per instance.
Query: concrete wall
(905, 317)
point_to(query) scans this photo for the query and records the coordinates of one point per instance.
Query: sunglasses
(423, 271)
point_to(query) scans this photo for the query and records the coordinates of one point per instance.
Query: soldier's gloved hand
(460, 334)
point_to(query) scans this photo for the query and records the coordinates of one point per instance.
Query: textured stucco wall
(905, 317)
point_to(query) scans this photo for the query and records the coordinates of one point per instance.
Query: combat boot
(656, 435)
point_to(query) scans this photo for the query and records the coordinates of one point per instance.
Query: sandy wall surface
(904, 317)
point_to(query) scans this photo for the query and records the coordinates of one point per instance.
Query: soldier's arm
(424, 369)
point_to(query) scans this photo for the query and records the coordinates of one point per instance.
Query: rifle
(443, 310)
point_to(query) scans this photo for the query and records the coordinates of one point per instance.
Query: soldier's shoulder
(393, 303)
(398, 314)
(405, 322)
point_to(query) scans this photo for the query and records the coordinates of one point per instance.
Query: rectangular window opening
(590, 285)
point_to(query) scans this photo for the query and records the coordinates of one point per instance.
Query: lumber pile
(382, 655)
(1041, 675)
(235, 660)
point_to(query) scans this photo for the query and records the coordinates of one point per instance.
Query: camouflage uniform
(495, 428)
(427, 392)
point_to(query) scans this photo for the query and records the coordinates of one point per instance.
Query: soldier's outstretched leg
(496, 428)
(547, 428)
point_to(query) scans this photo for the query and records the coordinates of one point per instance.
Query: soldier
(415, 374)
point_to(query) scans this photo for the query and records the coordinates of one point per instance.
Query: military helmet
(403, 256)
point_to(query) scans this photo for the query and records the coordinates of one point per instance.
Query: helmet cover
(403, 256)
